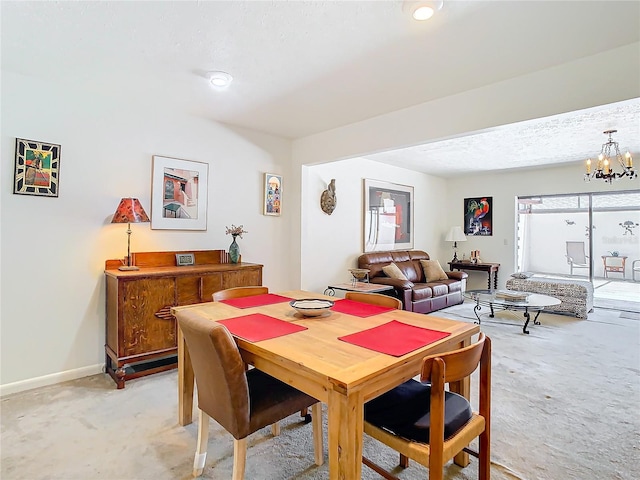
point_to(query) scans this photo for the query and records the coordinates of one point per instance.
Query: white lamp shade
(456, 235)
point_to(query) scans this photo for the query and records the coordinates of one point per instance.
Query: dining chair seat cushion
(270, 400)
(405, 411)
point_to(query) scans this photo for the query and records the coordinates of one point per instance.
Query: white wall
(332, 243)
(53, 249)
(504, 188)
(548, 92)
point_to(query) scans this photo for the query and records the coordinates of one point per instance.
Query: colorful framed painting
(178, 194)
(478, 216)
(37, 168)
(388, 216)
(272, 194)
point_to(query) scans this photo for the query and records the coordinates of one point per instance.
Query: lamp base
(455, 257)
(128, 268)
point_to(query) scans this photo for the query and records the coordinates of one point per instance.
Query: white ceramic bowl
(311, 307)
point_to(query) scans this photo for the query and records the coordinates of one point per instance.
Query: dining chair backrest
(374, 299)
(238, 292)
(219, 371)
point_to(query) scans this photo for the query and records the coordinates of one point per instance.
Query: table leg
(528, 317)
(489, 280)
(535, 320)
(477, 309)
(345, 426)
(185, 382)
(495, 280)
(462, 387)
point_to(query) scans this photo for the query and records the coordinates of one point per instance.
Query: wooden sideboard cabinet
(141, 336)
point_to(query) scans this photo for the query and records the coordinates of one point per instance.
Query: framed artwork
(388, 216)
(478, 216)
(178, 194)
(272, 194)
(37, 168)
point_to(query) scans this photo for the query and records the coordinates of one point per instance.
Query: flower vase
(234, 251)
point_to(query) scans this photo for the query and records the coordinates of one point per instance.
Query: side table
(611, 264)
(490, 268)
(362, 287)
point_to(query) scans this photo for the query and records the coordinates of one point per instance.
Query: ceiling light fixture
(604, 169)
(220, 79)
(422, 10)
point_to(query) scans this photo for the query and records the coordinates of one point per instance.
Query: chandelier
(604, 169)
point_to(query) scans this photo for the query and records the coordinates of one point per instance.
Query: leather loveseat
(416, 294)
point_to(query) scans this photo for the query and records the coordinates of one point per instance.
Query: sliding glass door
(593, 235)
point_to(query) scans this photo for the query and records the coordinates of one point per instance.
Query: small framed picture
(37, 168)
(179, 194)
(183, 259)
(272, 194)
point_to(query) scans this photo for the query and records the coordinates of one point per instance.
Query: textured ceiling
(302, 67)
(553, 140)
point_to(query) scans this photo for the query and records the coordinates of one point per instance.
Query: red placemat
(359, 309)
(256, 327)
(394, 338)
(255, 300)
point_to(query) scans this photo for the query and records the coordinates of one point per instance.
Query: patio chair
(576, 256)
(635, 268)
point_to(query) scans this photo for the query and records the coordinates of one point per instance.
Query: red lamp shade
(130, 211)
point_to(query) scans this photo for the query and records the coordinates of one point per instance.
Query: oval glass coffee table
(511, 300)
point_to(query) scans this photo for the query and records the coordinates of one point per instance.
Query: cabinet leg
(120, 373)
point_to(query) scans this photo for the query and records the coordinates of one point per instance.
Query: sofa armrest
(395, 283)
(457, 275)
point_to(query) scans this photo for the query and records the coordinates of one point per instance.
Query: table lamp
(455, 235)
(129, 211)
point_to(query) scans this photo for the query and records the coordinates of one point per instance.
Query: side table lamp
(129, 211)
(455, 235)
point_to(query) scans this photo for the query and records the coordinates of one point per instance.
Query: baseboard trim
(50, 379)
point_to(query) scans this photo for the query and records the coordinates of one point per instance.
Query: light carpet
(565, 406)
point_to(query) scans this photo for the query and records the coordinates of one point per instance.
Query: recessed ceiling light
(422, 10)
(220, 79)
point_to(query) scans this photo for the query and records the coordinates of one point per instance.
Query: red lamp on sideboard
(129, 211)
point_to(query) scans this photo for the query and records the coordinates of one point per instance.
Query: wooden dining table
(341, 375)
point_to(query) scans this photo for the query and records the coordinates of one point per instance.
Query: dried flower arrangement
(235, 231)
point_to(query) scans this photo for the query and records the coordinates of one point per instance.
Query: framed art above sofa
(387, 216)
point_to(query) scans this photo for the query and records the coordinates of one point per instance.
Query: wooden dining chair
(238, 292)
(429, 424)
(374, 299)
(240, 401)
(249, 291)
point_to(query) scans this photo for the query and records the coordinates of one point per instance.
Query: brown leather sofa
(415, 293)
